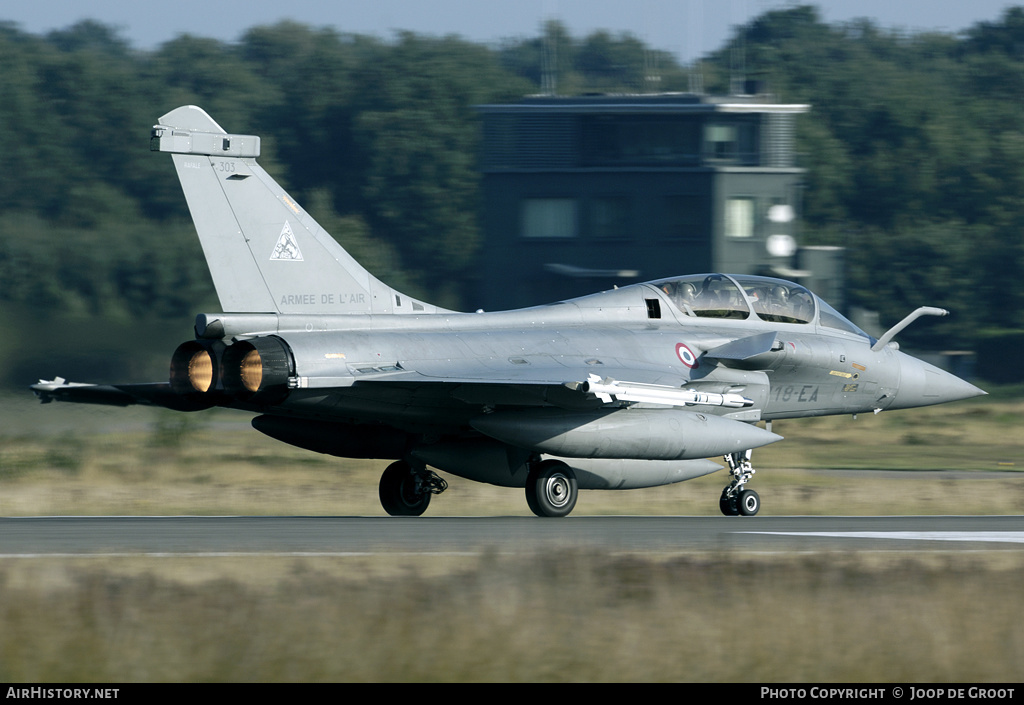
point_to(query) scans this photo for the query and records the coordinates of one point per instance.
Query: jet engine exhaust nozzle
(258, 370)
(193, 369)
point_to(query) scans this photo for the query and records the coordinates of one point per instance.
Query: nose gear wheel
(736, 500)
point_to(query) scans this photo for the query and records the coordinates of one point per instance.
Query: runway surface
(28, 536)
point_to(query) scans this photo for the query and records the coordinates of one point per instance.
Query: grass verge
(566, 617)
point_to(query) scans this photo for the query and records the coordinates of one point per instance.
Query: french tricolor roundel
(686, 356)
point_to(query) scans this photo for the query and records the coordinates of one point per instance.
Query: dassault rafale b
(634, 387)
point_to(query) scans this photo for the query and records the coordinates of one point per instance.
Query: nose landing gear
(735, 499)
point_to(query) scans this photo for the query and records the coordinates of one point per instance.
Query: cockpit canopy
(740, 296)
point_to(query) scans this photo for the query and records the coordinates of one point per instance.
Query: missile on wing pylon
(608, 389)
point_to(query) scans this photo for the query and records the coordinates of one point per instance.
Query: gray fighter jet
(634, 387)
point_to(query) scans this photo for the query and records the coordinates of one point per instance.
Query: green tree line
(915, 154)
(378, 138)
(914, 147)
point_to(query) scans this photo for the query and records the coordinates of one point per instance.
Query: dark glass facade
(586, 193)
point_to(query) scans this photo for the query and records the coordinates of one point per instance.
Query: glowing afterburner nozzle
(251, 371)
(258, 369)
(200, 371)
(193, 369)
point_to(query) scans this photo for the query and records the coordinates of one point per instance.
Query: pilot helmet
(686, 291)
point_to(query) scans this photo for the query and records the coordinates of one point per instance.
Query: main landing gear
(405, 490)
(735, 500)
(551, 488)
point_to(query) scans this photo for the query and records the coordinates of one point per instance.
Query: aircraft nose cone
(922, 384)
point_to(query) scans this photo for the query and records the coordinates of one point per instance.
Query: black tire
(729, 506)
(398, 493)
(551, 489)
(750, 503)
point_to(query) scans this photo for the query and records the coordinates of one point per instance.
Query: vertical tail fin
(265, 253)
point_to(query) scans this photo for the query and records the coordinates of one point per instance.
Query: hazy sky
(687, 28)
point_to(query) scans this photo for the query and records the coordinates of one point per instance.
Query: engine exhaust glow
(251, 371)
(257, 369)
(200, 371)
(194, 369)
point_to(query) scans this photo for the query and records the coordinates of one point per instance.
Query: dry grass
(557, 617)
(566, 617)
(980, 434)
(68, 459)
